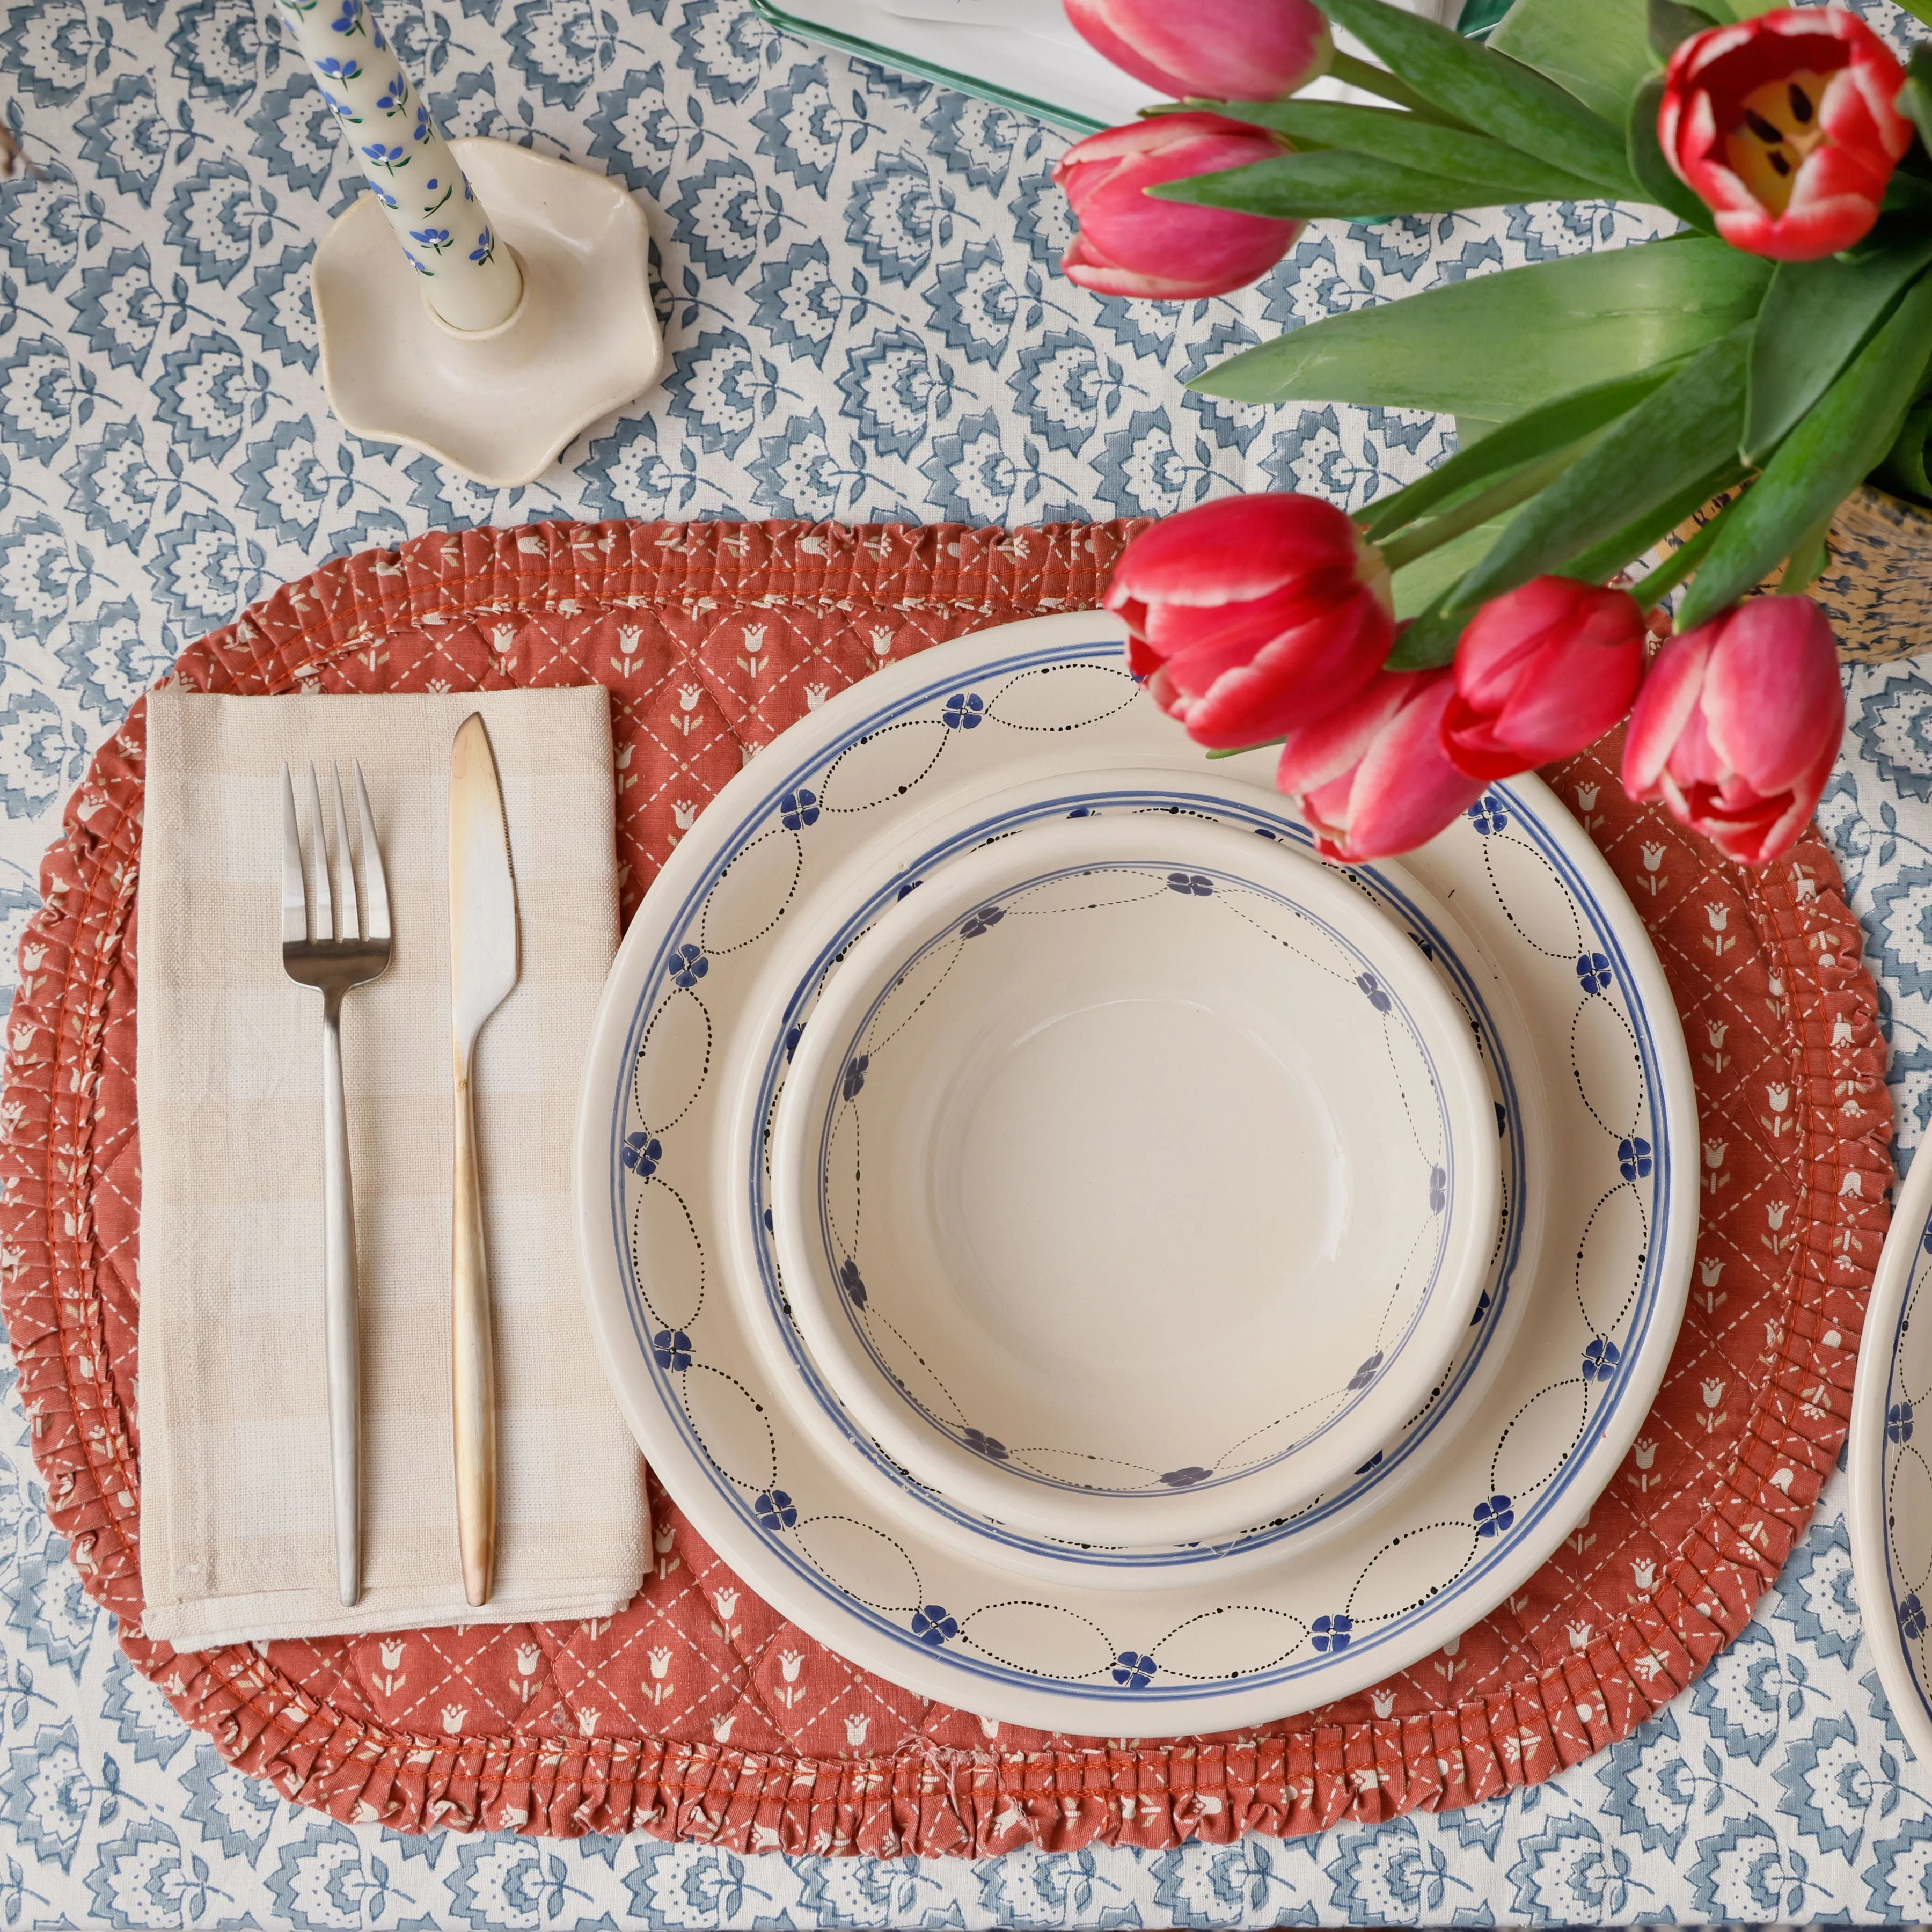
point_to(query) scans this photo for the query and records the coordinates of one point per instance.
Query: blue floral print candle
(470, 278)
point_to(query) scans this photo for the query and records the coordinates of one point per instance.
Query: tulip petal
(1772, 700)
(1299, 675)
(1225, 49)
(1663, 707)
(1404, 790)
(1234, 549)
(1324, 749)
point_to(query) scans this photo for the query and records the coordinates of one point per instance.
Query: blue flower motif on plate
(1495, 1517)
(798, 809)
(776, 1510)
(981, 1444)
(963, 711)
(1367, 1372)
(1376, 993)
(1912, 1618)
(1190, 885)
(687, 966)
(983, 921)
(1635, 1160)
(1133, 1670)
(852, 1082)
(1438, 1190)
(1898, 1422)
(1490, 814)
(1332, 1633)
(852, 1282)
(1593, 972)
(1183, 1479)
(642, 1154)
(931, 1625)
(671, 1349)
(1601, 1358)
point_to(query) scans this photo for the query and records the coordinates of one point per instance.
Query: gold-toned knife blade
(483, 963)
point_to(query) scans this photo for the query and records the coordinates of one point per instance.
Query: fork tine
(375, 884)
(351, 918)
(295, 893)
(324, 925)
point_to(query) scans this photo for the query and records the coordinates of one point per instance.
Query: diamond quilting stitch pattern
(1699, 1519)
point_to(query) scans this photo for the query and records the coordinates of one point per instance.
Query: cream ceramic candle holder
(482, 303)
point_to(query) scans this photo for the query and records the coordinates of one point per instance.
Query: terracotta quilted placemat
(699, 1712)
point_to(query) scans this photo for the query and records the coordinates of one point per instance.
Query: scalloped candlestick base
(498, 405)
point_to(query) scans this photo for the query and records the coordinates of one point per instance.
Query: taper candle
(471, 281)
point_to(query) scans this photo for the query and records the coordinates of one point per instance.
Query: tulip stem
(1386, 86)
(1653, 589)
(1419, 539)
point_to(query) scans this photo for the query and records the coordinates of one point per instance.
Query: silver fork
(333, 955)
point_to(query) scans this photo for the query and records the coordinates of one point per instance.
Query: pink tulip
(1224, 50)
(1541, 673)
(1737, 725)
(1787, 127)
(1252, 615)
(1129, 243)
(1371, 779)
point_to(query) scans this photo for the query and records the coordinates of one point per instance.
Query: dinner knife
(482, 970)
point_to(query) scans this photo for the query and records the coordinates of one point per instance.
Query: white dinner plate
(923, 837)
(1114, 1077)
(1891, 1472)
(654, 1200)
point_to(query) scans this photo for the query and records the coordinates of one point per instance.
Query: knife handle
(472, 1359)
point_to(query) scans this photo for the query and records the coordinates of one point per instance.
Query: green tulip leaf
(1329, 184)
(1654, 174)
(1816, 316)
(1418, 585)
(1648, 456)
(1554, 426)
(1919, 10)
(1496, 95)
(1391, 135)
(1670, 24)
(1598, 50)
(1846, 433)
(1499, 345)
(1430, 641)
(1904, 471)
(1642, 535)
(1915, 97)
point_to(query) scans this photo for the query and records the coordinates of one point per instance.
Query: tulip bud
(1129, 243)
(1221, 49)
(1786, 127)
(1541, 673)
(1371, 779)
(1738, 726)
(1251, 615)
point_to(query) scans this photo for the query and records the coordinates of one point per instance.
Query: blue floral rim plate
(871, 881)
(1134, 1179)
(657, 1213)
(1891, 1502)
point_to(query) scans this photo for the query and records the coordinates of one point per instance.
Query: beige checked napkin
(237, 1533)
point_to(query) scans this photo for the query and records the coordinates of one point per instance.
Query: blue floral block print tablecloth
(857, 281)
